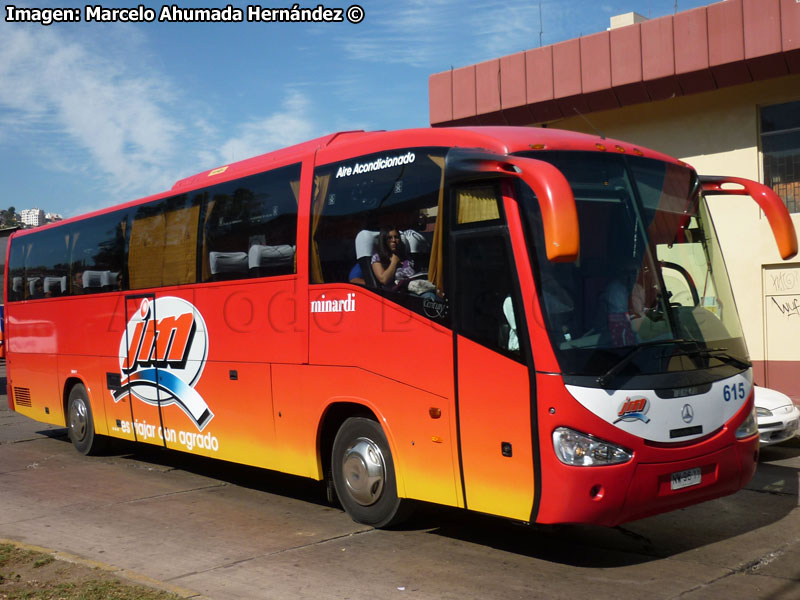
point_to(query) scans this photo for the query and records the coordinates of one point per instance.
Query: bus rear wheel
(80, 423)
(363, 473)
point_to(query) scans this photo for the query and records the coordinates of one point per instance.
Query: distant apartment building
(53, 217)
(32, 217)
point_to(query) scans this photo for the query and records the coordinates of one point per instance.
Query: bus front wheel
(80, 423)
(363, 473)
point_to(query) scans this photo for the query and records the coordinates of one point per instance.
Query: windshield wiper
(603, 379)
(722, 355)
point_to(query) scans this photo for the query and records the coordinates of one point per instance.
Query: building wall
(32, 216)
(718, 134)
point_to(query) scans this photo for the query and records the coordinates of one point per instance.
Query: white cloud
(507, 29)
(289, 125)
(428, 34)
(117, 122)
(59, 87)
(413, 33)
(440, 33)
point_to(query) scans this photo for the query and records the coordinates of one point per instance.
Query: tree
(9, 217)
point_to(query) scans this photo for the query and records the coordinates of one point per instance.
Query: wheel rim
(364, 471)
(78, 419)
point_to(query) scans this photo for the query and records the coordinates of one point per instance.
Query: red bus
(4, 235)
(524, 322)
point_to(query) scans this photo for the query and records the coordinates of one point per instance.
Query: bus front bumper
(613, 495)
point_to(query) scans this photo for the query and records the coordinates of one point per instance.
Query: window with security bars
(780, 147)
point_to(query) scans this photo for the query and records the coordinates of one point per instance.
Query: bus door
(139, 370)
(163, 354)
(493, 382)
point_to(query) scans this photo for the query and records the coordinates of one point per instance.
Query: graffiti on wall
(784, 281)
(789, 306)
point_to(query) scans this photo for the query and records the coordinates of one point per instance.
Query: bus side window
(485, 307)
(45, 264)
(356, 199)
(97, 254)
(16, 271)
(250, 226)
(485, 304)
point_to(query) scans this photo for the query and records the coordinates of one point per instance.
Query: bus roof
(505, 140)
(337, 146)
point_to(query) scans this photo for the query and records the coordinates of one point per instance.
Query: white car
(778, 417)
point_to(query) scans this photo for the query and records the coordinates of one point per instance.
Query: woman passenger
(390, 263)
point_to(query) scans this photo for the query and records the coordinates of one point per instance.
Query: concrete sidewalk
(204, 527)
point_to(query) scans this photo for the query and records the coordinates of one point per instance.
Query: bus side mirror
(778, 217)
(553, 192)
(557, 202)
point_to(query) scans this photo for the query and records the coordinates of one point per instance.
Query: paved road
(225, 531)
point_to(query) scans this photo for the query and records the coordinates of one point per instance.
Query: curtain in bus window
(295, 185)
(476, 205)
(180, 245)
(436, 263)
(163, 244)
(146, 251)
(321, 183)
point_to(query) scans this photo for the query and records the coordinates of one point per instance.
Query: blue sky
(94, 114)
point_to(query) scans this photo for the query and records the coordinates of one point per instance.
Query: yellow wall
(717, 133)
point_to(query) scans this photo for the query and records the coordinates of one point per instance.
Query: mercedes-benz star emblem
(687, 413)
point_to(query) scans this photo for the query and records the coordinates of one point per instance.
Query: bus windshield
(649, 294)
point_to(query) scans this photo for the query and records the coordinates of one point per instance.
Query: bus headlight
(749, 427)
(582, 450)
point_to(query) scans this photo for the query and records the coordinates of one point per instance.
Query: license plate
(684, 479)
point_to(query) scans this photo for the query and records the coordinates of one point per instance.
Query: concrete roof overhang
(724, 44)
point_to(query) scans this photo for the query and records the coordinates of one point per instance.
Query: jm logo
(162, 354)
(634, 409)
